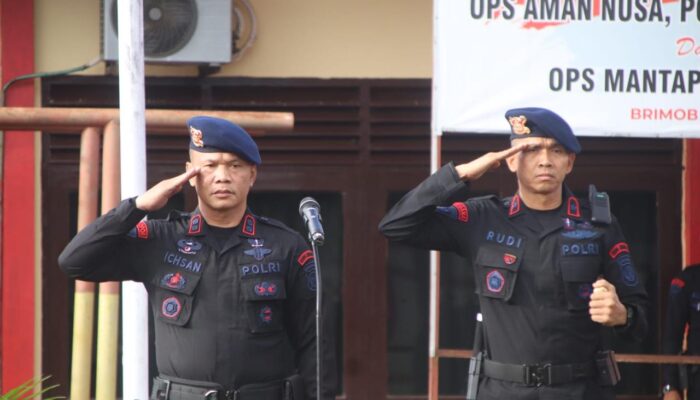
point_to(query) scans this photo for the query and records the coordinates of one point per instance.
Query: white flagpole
(133, 182)
(435, 149)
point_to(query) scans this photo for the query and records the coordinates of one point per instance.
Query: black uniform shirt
(533, 273)
(232, 312)
(683, 308)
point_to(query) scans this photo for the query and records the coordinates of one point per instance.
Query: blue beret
(540, 122)
(212, 135)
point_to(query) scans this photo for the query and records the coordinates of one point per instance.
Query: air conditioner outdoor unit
(176, 31)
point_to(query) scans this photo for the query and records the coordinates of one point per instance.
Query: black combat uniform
(683, 308)
(233, 312)
(534, 273)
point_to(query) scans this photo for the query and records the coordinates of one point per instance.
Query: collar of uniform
(515, 206)
(570, 208)
(247, 227)
(196, 224)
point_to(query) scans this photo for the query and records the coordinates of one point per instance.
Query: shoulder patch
(573, 207)
(457, 211)
(677, 284)
(140, 231)
(248, 225)
(195, 226)
(305, 257)
(618, 249)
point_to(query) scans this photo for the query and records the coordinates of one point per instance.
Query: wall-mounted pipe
(157, 121)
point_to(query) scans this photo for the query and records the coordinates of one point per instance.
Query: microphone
(311, 212)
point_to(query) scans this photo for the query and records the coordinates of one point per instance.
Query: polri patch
(495, 281)
(171, 307)
(580, 249)
(261, 268)
(258, 251)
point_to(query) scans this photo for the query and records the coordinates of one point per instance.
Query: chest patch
(261, 268)
(585, 290)
(265, 314)
(495, 281)
(579, 234)
(171, 307)
(174, 281)
(266, 289)
(188, 246)
(580, 249)
(258, 250)
(504, 239)
(181, 261)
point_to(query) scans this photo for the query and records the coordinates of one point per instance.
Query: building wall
(295, 38)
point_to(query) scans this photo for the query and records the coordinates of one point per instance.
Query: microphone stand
(319, 330)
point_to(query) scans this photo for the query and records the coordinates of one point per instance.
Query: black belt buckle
(538, 375)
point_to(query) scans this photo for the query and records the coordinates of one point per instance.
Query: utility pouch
(608, 372)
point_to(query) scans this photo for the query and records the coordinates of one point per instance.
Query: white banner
(608, 67)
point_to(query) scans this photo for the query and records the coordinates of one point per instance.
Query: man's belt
(167, 389)
(539, 374)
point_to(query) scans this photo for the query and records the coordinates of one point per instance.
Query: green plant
(30, 389)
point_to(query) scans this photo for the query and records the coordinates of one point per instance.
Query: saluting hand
(473, 170)
(672, 395)
(156, 197)
(605, 307)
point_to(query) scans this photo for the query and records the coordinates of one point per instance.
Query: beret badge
(196, 135)
(518, 124)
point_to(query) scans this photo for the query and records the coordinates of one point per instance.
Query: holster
(608, 371)
(474, 373)
(294, 388)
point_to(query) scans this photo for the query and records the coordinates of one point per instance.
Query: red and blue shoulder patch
(140, 231)
(677, 285)
(618, 249)
(457, 211)
(305, 257)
